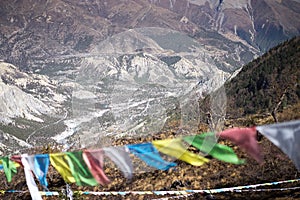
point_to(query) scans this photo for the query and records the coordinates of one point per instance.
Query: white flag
(33, 189)
(120, 156)
(286, 136)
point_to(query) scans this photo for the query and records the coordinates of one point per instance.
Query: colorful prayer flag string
(86, 169)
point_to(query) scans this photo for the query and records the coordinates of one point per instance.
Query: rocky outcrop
(16, 103)
(26, 95)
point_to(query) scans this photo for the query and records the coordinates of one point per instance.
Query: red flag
(246, 139)
(94, 161)
(17, 159)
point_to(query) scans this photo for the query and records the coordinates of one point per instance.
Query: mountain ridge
(268, 83)
(61, 27)
(254, 21)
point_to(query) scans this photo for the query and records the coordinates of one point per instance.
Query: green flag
(207, 144)
(9, 168)
(79, 169)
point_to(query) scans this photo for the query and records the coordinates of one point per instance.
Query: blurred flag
(286, 136)
(244, 138)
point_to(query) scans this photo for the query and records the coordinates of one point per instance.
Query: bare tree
(274, 112)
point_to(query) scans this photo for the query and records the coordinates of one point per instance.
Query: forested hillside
(267, 84)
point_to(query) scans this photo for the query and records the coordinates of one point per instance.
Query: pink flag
(246, 139)
(94, 161)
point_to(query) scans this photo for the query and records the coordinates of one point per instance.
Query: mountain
(34, 31)
(266, 85)
(24, 95)
(266, 81)
(11, 144)
(261, 24)
(122, 67)
(128, 88)
(28, 103)
(126, 85)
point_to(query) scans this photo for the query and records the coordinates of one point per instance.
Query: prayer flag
(33, 189)
(245, 138)
(120, 156)
(94, 161)
(79, 169)
(148, 153)
(286, 136)
(208, 144)
(16, 159)
(9, 168)
(60, 163)
(41, 165)
(175, 148)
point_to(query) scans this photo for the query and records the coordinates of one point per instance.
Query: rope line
(237, 191)
(246, 188)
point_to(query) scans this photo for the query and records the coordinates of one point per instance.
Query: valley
(68, 66)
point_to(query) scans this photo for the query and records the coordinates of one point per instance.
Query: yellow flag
(60, 163)
(175, 148)
(17, 164)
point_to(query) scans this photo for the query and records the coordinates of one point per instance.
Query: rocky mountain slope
(96, 62)
(120, 91)
(10, 144)
(25, 95)
(266, 85)
(261, 24)
(27, 103)
(33, 31)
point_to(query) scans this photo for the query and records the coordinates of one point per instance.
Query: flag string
(246, 188)
(237, 191)
(175, 197)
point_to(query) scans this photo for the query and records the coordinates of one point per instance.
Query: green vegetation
(270, 81)
(52, 68)
(170, 60)
(84, 43)
(265, 86)
(24, 127)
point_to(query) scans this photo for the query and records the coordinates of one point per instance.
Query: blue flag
(149, 154)
(41, 165)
